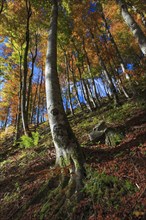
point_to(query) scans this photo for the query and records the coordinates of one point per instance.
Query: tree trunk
(106, 73)
(135, 9)
(34, 101)
(68, 84)
(33, 57)
(68, 151)
(91, 98)
(84, 92)
(74, 82)
(123, 65)
(24, 112)
(19, 101)
(134, 27)
(7, 117)
(2, 6)
(39, 99)
(115, 73)
(90, 73)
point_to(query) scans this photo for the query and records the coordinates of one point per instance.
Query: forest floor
(115, 186)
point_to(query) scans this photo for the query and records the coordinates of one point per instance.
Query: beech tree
(93, 56)
(68, 151)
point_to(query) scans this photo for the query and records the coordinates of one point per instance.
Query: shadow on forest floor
(23, 176)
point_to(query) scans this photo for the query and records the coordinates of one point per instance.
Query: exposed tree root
(65, 195)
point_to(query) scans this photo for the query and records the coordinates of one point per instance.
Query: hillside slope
(116, 176)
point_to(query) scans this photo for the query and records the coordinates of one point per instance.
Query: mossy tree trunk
(68, 151)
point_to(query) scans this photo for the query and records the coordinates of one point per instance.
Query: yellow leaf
(138, 213)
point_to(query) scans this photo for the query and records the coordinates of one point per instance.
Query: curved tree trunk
(68, 151)
(134, 27)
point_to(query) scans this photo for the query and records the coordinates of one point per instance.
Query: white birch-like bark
(134, 27)
(68, 151)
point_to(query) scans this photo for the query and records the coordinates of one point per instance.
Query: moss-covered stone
(113, 137)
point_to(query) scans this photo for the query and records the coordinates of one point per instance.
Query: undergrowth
(107, 190)
(123, 112)
(28, 142)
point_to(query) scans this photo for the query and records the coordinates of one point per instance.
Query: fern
(35, 136)
(28, 142)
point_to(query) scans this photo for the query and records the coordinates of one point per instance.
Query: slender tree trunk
(97, 86)
(39, 99)
(123, 65)
(68, 84)
(18, 118)
(134, 27)
(24, 112)
(89, 104)
(115, 74)
(108, 94)
(83, 87)
(106, 73)
(112, 87)
(31, 107)
(7, 117)
(33, 56)
(74, 82)
(29, 91)
(85, 92)
(90, 93)
(34, 100)
(19, 101)
(91, 76)
(43, 111)
(119, 80)
(70, 68)
(68, 151)
(2, 6)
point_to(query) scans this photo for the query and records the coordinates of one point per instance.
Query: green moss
(107, 190)
(120, 114)
(44, 209)
(10, 197)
